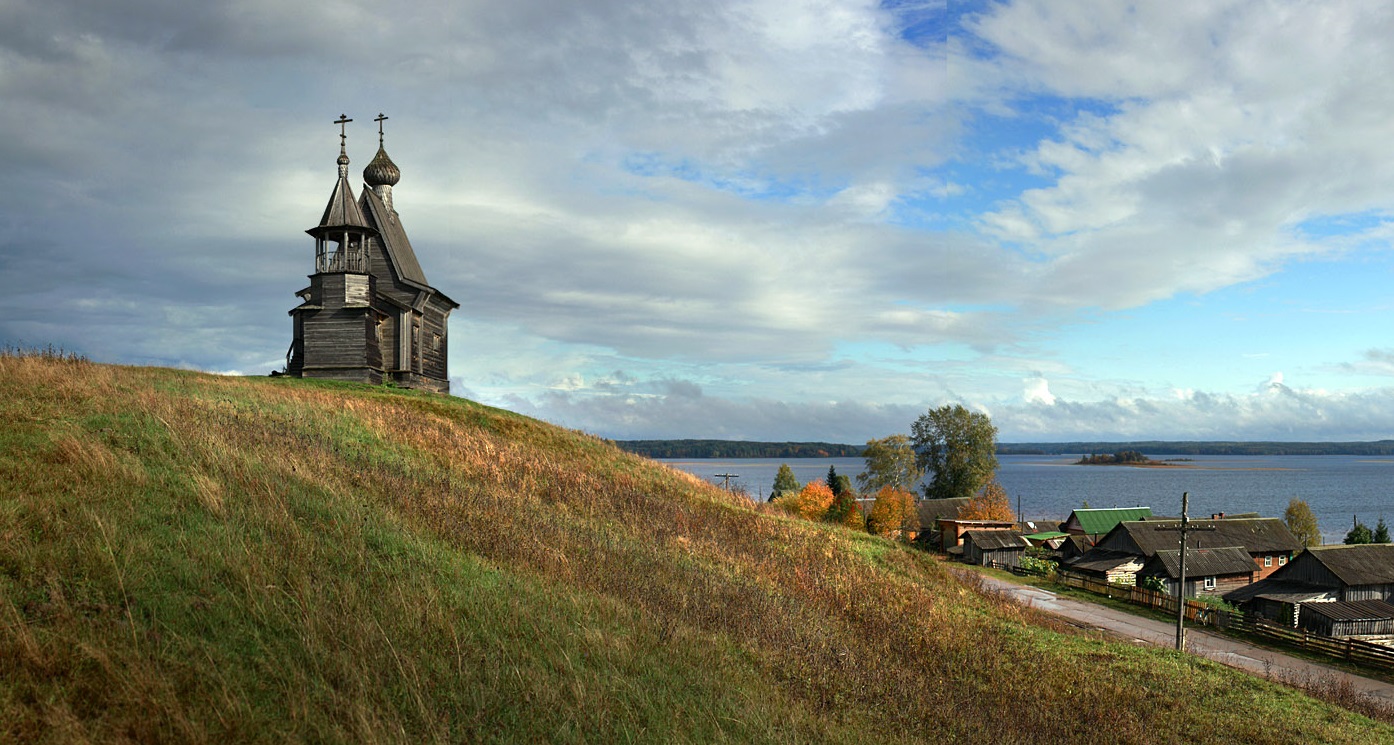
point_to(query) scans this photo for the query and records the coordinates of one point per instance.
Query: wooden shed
(1002, 548)
(1356, 618)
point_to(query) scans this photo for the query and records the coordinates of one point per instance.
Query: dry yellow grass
(194, 558)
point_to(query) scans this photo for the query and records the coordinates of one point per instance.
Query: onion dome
(381, 171)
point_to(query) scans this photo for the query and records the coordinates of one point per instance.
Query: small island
(1121, 458)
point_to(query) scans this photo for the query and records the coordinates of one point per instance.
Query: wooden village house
(1328, 590)
(369, 315)
(1267, 541)
(1209, 571)
(952, 530)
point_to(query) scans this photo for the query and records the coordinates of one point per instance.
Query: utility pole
(726, 483)
(1183, 529)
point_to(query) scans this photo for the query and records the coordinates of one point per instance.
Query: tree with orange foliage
(810, 503)
(893, 514)
(989, 504)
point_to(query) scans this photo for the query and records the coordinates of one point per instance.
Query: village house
(1209, 571)
(1334, 577)
(1266, 539)
(951, 530)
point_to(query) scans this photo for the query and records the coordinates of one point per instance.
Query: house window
(1268, 561)
(1282, 560)
(1209, 583)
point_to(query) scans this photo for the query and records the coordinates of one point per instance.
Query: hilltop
(193, 558)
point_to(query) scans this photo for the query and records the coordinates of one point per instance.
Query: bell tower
(336, 327)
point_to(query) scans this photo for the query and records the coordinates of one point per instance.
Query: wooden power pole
(1184, 528)
(726, 479)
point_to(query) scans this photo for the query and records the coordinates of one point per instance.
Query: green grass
(191, 558)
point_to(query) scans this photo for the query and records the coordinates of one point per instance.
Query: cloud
(769, 217)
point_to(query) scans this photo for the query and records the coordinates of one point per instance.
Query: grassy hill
(191, 558)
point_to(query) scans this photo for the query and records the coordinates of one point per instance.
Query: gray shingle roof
(1368, 564)
(1256, 535)
(342, 210)
(1279, 590)
(1202, 562)
(933, 509)
(394, 238)
(1354, 610)
(995, 539)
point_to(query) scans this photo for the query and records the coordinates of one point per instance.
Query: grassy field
(191, 558)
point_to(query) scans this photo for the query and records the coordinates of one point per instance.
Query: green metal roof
(1047, 535)
(1098, 522)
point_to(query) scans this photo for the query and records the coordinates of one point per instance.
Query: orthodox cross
(341, 121)
(380, 120)
(726, 484)
(1184, 528)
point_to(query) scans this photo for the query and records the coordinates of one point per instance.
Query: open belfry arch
(369, 315)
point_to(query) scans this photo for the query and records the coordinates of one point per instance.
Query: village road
(1237, 654)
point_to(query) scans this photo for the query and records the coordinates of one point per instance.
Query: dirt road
(1237, 654)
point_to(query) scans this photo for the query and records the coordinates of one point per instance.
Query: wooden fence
(1353, 650)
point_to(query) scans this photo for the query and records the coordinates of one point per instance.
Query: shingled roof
(1256, 535)
(394, 239)
(1367, 564)
(933, 509)
(1202, 562)
(989, 540)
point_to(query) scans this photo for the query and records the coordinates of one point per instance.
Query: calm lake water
(1049, 487)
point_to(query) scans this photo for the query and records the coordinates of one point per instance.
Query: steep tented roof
(1100, 521)
(342, 210)
(1256, 535)
(1202, 562)
(1367, 564)
(394, 240)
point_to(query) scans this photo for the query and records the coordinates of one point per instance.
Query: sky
(801, 220)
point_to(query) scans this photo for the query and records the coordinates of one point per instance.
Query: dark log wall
(433, 340)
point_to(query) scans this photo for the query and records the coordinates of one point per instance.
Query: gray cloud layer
(738, 197)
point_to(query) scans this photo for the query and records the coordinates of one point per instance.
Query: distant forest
(737, 449)
(744, 449)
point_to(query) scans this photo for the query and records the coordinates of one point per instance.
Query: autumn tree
(989, 504)
(1301, 522)
(810, 502)
(958, 446)
(890, 461)
(784, 482)
(893, 514)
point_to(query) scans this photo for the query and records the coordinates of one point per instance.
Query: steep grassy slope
(191, 558)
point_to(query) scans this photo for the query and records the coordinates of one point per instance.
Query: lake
(1049, 486)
